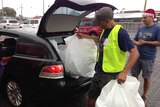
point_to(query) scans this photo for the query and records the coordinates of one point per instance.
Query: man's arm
(134, 54)
(142, 42)
(135, 42)
(155, 43)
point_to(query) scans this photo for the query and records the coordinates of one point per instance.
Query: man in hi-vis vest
(113, 44)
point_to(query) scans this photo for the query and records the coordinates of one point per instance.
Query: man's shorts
(98, 82)
(146, 66)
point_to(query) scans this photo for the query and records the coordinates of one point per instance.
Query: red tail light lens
(52, 72)
(53, 69)
(5, 60)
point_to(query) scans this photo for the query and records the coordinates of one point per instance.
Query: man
(146, 39)
(113, 43)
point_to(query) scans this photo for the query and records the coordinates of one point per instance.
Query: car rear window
(68, 11)
(34, 22)
(84, 23)
(27, 49)
(13, 21)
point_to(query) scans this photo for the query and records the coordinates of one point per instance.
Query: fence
(131, 27)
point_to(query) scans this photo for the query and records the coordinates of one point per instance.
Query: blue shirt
(148, 52)
(124, 42)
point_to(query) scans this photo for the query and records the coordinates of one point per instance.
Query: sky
(32, 8)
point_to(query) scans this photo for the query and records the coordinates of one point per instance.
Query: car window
(36, 21)
(13, 21)
(29, 48)
(32, 22)
(68, 11)
(81, 23)
(84, 23)
(88, 23)
(26, 22)
(59, 39)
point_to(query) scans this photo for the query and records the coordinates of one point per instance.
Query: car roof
(9, 19)
(24, 32)
(34, 19)
(28, 33)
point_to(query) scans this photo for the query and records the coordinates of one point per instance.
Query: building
(130, 20)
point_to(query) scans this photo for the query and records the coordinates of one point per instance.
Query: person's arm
(126, 45)
(155, 43)
(134, 54)
(81, 36)
(135, 42)
(142, 42)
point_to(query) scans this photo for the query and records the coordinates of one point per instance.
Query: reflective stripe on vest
(114, 59)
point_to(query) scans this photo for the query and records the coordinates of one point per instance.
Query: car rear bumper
(58, 90)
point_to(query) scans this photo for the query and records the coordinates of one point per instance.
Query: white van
(34, 23)
(9, 23)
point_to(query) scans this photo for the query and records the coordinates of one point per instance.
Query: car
(33, 69)
(87, 26)
(34, 23)
(9, 23)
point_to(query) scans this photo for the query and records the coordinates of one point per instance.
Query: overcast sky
(35, 7)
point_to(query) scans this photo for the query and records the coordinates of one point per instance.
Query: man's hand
(141, 42)
(81, 36)
(121, 78)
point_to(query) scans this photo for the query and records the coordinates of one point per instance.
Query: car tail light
(52, 72)
(4, 60)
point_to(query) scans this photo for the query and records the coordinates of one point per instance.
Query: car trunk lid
(64, 15)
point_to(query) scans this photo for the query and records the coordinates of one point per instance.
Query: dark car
(34, 70)
(87, 26)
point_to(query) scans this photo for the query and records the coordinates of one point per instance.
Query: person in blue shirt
(146, 40)
(113, 44)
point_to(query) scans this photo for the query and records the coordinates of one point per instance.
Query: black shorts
(98, 82)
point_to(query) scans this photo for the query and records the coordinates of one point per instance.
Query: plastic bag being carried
(124, 95)
(79, 56)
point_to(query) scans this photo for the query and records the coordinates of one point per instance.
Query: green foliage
(7, 11)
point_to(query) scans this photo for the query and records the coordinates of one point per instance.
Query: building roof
(128, 15)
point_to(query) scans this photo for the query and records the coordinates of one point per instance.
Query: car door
(29, 59)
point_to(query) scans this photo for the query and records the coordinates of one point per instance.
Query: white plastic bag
(80, 56)
(124, 95)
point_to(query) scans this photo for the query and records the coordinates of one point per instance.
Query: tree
(7, 11)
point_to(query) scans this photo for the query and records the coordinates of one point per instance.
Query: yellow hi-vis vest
(114, 59)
